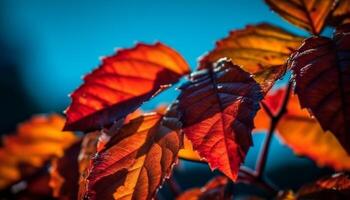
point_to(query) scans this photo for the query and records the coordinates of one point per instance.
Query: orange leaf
(136, 160)
(304, 135)
(213, 190)
(307, 14)
(122, 83)
(69, 173)
(321, 73)
(90, 146)
(261, 50)
(341, 14)
(35, 141)
(187, 152)
(336, 186)
(218, 106)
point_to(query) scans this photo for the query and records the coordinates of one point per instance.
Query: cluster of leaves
(127, 154)
(34, 144)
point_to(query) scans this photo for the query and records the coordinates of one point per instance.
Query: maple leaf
(136, 160)
(259, 49)
(322, 147)
(213, 190)
(218, 106)
(122, 83)
(321, 72)
(306, 14)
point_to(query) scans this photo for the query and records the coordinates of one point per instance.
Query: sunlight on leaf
(188, 153)
(321, 73)
(336, 186)
(218, 106)
(122, 83)
(341, 14)
(35, 142)
(307, 14)
(261, 49)
(136, 160)
(303, 134)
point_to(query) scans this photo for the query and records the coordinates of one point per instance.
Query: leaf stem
(249, 176)
(261, 161)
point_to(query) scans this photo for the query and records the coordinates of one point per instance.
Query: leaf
(261, 49)
(336, 186)
(218, 106)
(68, 174)
(307, 14)
(136, 160)
(35, 142)
(341, 14)
(64, 174)
(187, 152)
(304, 135)
(90, 146)
(122, 83)
(321, 70)
(213, 190)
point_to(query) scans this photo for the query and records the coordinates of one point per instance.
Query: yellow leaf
(35, 141)
(307, 14)
(261, 50)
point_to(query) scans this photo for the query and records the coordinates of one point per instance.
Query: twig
(249, 176)
(261, 161)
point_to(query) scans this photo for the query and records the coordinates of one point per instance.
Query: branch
(261, 161)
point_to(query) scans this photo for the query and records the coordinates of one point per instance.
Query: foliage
(127, 154)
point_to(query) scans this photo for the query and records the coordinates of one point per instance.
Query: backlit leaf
(137, 159)
(307, 14)
(304, 135)
(91, 144)
(69, 173)
(213, 190)
(187, 152)
(341, 14)
(122, 83)
(64, 174)
(262, 50)
(336, 186)
(35, 142)
(321, 70)
(218, 106)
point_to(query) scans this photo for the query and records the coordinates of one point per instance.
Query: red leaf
(64, 174)
(136, 160)
(122, 83)
(218, 107)
(321, 69)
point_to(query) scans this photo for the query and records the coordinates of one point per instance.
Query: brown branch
(261, 161)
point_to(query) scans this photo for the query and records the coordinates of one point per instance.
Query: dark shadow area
(15, 104)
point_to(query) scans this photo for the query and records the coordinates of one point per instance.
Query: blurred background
(47, 46)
